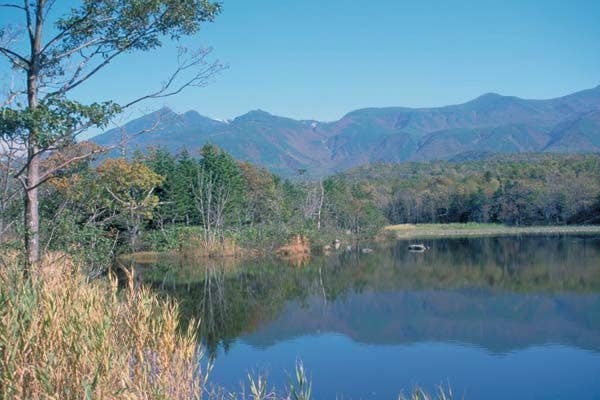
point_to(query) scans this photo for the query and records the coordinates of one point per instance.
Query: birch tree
(55, 55)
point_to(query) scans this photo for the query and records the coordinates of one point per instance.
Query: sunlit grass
(64, 338)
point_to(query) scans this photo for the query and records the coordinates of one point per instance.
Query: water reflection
(502, 294)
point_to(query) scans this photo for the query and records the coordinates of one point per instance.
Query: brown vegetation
(296, 251)
(298, 245)
(64, 338)
(196, 247)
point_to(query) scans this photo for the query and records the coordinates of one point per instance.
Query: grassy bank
(411, 231)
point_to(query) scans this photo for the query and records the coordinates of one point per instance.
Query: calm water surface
(493, 318)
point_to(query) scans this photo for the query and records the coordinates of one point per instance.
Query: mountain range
(491, 123)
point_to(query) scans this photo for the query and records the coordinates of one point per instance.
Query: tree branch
(12, 6)
(62, 33)
(198, 79)
(27, 10)
(76, 49)
(74, 82)
(11, 55)
(47, 175)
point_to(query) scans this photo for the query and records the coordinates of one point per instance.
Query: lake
(493, 318)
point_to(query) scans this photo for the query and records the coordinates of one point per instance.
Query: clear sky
(319, 59)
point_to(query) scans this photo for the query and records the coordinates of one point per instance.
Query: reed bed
(196, 246)
(64, 338)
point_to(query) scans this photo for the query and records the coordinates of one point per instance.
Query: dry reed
(64, 338)
(296, 245)
(195, 246)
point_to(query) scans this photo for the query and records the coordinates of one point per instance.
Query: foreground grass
(62, 337)
(410, 231)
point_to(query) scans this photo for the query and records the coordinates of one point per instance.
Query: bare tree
(211, 198)
(64, 53)
(321, 200)
(313, 203)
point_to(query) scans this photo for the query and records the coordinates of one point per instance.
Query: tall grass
(64, 338)
(196, 246)
(442, 393)
(299, 388)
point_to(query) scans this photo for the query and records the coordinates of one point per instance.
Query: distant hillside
(491, 123)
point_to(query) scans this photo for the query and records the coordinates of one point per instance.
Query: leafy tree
(351, 206)
(60, 55)
(160, 161)
(262, 200)
(128, 189)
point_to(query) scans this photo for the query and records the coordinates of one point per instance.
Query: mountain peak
(489, 96)
(493, 100)
(165, 110)
(194, 118)
(254, 115)
(258, 113)
(162, 114)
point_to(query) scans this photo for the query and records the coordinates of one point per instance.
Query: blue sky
(319, 59)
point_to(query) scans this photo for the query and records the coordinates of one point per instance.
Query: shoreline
(432, 231)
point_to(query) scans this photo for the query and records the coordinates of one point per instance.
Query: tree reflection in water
(501, 293)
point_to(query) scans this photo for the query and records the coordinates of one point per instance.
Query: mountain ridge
(489, 123)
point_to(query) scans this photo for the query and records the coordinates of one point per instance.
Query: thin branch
(131, 205)
(48, 6)
(199, 79)
(76, 49)
(84, 62)
(27, 10)
(75, 23)
(73, 83)
(49, 173)
(11, 55)
(55, 226)
(12, 6)
(10, 98)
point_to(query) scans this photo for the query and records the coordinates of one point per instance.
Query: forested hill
(520, 189)
(489, 123)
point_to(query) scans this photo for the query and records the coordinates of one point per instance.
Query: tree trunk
(320, 204)
(32, 216)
